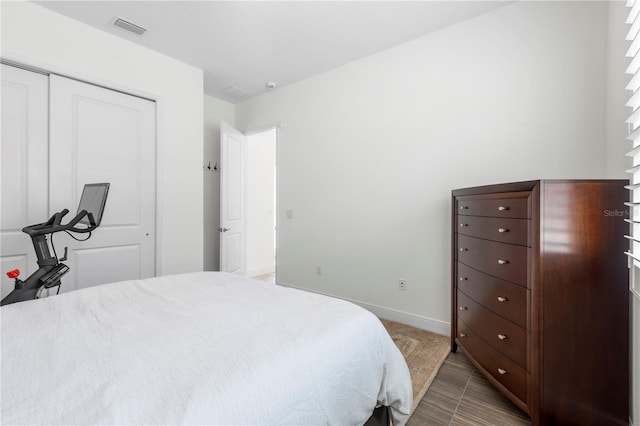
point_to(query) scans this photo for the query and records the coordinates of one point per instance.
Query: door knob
(223, 229)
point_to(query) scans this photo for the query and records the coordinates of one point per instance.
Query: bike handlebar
(54, 224)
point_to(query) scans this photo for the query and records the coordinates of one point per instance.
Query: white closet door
(23, 156)
(100, 135)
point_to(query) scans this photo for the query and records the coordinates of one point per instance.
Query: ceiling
(243, 45)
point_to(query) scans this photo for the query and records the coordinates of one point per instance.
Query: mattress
(199, 348)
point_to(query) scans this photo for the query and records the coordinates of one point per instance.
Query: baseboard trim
(418, 321)
(413, 320)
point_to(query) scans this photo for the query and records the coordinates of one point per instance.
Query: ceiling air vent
(129, 26)
(235, 92)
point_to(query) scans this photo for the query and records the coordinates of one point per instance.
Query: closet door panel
(24, 172)
(100, 135)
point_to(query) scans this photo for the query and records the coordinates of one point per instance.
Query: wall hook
(209, 168)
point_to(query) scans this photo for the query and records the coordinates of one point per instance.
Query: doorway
(261, 196)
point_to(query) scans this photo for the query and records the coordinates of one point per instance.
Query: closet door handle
(502, 371)
(503, 208)
(502, 230)
(502, 262)
(502, 299)
(502, 337)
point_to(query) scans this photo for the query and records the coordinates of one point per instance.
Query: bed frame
(380, 417)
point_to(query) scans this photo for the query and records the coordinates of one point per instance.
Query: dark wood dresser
(540, 295)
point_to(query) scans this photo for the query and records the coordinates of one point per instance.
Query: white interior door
(100, 135)
(24, 172)
(232, 243)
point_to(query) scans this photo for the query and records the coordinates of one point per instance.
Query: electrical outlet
(318, 270)
(402, 285)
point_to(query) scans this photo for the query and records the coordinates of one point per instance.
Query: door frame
(19, 61)
(277, 126)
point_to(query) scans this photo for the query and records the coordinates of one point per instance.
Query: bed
(199, 348)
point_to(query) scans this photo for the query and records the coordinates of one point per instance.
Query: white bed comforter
(201, 348)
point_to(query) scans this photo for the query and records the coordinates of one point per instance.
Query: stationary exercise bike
(51, 269)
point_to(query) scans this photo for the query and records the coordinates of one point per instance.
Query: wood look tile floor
(268, 277)
(461, 396)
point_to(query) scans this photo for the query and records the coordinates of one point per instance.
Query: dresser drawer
(505, 261)
(506, 372)
(506, 337)
(514, 204)
(505, 230)
(502, 297)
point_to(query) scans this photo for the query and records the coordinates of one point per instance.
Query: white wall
(617, 95)
(260, 207)
(38, 37)
(215, 112)
(369, 152)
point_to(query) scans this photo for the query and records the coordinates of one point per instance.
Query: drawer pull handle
(463, 249)
(502, 262)
(503, 208)
(462, 225)
(464, 207)
(501, 230)
(502, 299)
(463, 278)
(502, 337)
(502, 371)
(463, 335)
(463, 308)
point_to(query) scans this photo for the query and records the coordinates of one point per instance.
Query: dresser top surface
(530, 185)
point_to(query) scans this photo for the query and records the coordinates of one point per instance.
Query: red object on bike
(14, 274)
